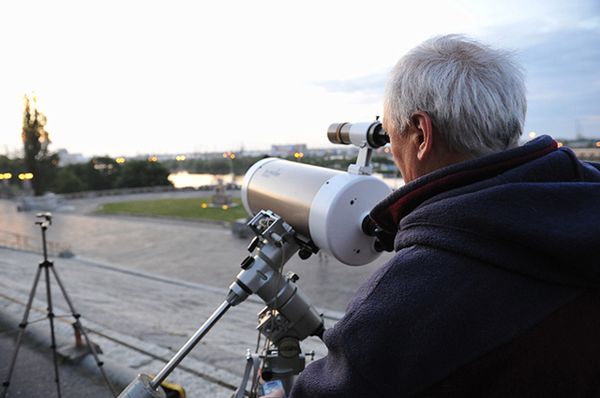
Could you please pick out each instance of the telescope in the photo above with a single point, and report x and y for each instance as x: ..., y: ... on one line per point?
x: 326, y: 206
x: 296, y: 208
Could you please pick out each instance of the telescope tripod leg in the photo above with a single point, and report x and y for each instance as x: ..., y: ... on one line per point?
x: 47, y: 264
x: 22, y: 326
x: 80, y: 327
x: 251, y: 364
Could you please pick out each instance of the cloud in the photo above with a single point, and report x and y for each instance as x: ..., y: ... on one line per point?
x: 563, y: 79
x: 372, y: 84
x: 562, y: 68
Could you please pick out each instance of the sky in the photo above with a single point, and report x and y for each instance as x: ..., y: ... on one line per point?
x: 147, y: 77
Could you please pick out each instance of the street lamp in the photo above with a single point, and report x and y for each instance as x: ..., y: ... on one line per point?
x: 25, y: 176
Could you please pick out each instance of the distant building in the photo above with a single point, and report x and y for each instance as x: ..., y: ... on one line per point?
x: 591, y: 154
x: 584, y: 148
x: 287, y: 150
x: 66, y: 158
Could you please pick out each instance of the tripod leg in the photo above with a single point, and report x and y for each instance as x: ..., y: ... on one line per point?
x: 251, y: 363
x: 22, y: 327
x: 80, y: 327
x: 51, y: 319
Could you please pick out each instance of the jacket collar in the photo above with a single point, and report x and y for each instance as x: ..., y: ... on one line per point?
x: 388, y: 213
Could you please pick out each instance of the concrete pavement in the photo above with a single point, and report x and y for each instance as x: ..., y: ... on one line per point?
x: 139, y: 320
x: 193, y: 251
x: 144, y: 285
x: 33, y: 375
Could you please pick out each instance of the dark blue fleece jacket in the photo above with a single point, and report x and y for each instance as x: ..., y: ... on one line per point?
x: 486, y: 250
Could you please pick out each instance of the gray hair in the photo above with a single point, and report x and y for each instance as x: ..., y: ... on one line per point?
x: 474, y: 95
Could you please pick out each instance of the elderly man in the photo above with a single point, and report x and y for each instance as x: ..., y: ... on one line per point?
x: 493, y: 288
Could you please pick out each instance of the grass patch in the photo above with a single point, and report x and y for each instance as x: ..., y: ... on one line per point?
x: 188, y: 208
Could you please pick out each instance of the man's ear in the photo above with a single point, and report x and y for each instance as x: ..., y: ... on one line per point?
x: 422, y: 122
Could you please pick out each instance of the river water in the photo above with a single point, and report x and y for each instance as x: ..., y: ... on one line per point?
x: 183, y: 179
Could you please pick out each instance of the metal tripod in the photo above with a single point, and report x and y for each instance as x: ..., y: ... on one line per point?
x: 45, y: 220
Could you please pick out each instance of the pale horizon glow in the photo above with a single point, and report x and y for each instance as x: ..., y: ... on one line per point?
x: 145, y: 77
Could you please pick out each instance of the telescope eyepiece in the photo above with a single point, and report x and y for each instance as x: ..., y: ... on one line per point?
x: 358, y: 134
x: 377, y: 136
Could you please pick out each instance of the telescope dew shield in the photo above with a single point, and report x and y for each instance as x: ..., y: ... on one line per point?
x: 286, y: 188
x: 325, y: 205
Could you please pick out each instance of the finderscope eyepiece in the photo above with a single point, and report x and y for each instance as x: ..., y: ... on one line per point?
x: 377, y: 136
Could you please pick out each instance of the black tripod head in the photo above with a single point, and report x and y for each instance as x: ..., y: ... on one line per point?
x: 44, y: 220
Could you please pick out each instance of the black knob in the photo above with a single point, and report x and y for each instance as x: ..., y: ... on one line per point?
x: 247, y: 262
x: 253, y: 244
x: 267, y: 374
x: 304, y: 254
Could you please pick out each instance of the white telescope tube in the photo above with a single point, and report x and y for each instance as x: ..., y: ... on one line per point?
x: 325, y: 205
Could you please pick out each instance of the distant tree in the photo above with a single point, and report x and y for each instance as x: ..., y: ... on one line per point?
x: 12, y: 166
x: 78, y: 170
x: 105, y: 173
x: 337, y: 164
x: 240, y: 165
x: 68, y: 181
x: 141, y: 173
x: 101, y: 173
x: 36, y: 140
x: 212, y: 166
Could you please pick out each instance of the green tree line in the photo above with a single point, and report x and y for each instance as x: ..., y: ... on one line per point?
x: 97, y: 174
x: 105, y: 173
x: 240, y: 165
x: 220, y: 165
